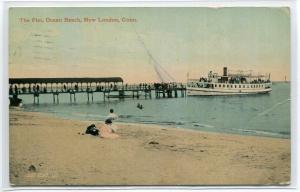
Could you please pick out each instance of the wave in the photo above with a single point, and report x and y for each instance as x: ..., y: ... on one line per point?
x: 164, y: 122
x: 202, y: 125
x: 89, y: 115
x: 273, y: 107
x: 176, y: 123
x: 133, y: 116
x: 263, y: 133
x: 125, y: 116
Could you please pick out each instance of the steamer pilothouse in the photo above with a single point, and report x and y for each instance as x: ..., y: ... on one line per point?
x: 239, y: 83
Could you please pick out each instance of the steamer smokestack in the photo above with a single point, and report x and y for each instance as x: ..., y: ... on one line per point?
x: 225, y: 71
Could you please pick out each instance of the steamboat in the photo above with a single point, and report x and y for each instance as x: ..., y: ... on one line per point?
x: 239, y: 83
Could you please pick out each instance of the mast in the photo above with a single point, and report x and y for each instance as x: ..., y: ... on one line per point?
x: 162, y: 74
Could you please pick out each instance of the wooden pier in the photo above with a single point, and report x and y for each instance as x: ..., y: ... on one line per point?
x: 112, y: 87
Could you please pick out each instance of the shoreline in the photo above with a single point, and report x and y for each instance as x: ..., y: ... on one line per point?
x: 142, y: 155
x: 158, y: 125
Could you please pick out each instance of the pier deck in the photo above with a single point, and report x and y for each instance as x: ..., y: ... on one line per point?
x: 112, y: 87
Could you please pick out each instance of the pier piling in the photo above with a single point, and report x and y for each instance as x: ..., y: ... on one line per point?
x: 72, y: 93
x: 36, y: 97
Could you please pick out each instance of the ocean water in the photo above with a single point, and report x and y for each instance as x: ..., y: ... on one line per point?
x: 260, y: 115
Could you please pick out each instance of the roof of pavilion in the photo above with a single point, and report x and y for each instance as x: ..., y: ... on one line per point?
x: 65, y: 80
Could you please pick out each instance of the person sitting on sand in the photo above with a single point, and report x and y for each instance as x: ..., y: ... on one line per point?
x: 112, y: 115
x: 107, y: 131
x: 109, y: 119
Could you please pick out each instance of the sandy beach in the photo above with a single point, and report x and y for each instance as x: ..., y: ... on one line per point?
x: 46, y: 150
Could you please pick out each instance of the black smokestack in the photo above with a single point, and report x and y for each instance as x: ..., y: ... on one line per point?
x: 225, y: 71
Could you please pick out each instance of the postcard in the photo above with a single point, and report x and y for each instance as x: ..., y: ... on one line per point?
x: 139, y: 96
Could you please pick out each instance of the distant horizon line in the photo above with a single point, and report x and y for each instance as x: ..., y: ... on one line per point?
x: 275, y: 81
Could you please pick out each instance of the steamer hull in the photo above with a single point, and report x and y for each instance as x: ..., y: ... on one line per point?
x: 214, y: 92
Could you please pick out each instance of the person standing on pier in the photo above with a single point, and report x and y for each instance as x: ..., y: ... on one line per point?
x: 11, y: 90
x: 16, y: 89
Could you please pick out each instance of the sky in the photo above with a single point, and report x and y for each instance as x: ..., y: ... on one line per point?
x: 150, y: 44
